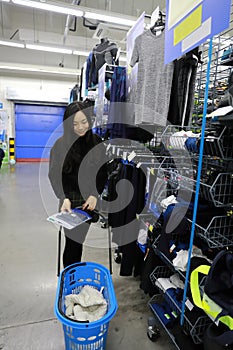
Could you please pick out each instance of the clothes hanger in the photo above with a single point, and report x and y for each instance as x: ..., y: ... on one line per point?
x: 159, y: 25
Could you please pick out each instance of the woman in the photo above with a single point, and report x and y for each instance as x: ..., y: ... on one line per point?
x: 66, y: 157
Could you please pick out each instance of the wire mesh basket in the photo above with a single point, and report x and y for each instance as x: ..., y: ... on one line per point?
x: 219, y: 232
x: 195, y: 330
x: 160, y: 271
x: 167, y: 261
x: 180, y: 139
x: 219, y: 192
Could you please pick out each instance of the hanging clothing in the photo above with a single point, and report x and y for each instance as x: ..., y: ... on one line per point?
x: 124, y: 224
x: 118, y: 85
x: 89, y: 76
x: 105, y: 52
x: 154, y: 79
x: 183, y: 88
x: 75, y: 93
x: 117, y: 116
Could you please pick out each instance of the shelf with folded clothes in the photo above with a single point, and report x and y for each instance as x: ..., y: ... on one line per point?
x: 227, y: 56
x: 192, y: 332
x: 218, y: 233
x: 227, y: 62
x: 168, y: 262
x: 155, y: 304
x: 214, y: 224
x: 171, y: 287
x: 226, y: 120
x: 217, y: 141
x: 215, y: 186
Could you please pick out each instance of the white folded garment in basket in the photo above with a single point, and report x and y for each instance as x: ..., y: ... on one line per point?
x: 88, y: 305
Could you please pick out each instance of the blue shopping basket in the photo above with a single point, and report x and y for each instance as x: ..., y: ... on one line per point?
x: 85, y: 335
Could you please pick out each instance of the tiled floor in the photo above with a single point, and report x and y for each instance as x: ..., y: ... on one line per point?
x: 28, y: 258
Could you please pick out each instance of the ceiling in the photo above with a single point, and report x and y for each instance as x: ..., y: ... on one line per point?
x: 27, y: 25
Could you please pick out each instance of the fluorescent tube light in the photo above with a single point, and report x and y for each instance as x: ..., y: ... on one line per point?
x: 70, y: 9
x: 81, y: 53
x: 5, y: 0
x: 39, y: 69
x: 48, y: 49
x: 52, y: 6
x: 109, y: 19
x: 11, y: 43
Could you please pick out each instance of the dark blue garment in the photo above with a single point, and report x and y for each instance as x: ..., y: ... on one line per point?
x: 176, y: 294
x: 89, y: 71
x: 117, y: 117
x: 191, y: 144
x: 118, y: 86
x: 74, y: 93
x: 164, y: 312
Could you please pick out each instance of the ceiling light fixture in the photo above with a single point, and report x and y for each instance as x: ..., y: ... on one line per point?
x: 56, y: 49
x: 39, y: 69
x: 70, y: 9
x: 51, y: 6
x: 49, y: 49
x: 110, y: 19
x: 11, y: 43
x: 81, y: 53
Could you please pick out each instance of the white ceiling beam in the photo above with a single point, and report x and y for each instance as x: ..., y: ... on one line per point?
x: 43, y: 37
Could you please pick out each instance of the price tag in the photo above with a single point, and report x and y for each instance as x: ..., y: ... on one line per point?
x: 189, y: 304
x: 172, y: 248
x: 131, y: 156
x: 124, y: 155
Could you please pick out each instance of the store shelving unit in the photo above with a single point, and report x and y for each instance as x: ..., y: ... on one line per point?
x: 216, y: 183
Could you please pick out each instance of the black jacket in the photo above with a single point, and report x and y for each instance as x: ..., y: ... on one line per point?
x: 73, y: 177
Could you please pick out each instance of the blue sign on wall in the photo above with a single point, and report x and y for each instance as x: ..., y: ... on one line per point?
x: 1, y: 105
x: 191, y: 22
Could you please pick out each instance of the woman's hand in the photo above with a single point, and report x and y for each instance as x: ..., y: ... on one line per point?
x: 66, y: 205
x: 90, y: 203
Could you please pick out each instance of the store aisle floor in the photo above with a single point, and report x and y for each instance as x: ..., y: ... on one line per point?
x: 28, y: 258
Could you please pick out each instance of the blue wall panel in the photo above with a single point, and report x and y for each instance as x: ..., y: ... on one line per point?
x: 36, y: 129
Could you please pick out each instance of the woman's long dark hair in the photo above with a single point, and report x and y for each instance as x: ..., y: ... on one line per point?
x: 76, y: 147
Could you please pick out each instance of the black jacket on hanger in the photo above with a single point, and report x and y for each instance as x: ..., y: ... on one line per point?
x: 105, y: 52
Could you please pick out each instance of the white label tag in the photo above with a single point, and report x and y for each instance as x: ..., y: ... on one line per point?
x: 131, y: 156
x: 138, y: 165
x: 189, y: 304
x: 172, y: 248
x: 124, y: 155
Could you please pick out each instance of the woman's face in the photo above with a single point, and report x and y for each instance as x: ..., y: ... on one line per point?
x: 81, y: 124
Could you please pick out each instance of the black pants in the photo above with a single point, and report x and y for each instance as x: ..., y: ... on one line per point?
x: 74, y: 238
x: 74, y: 244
